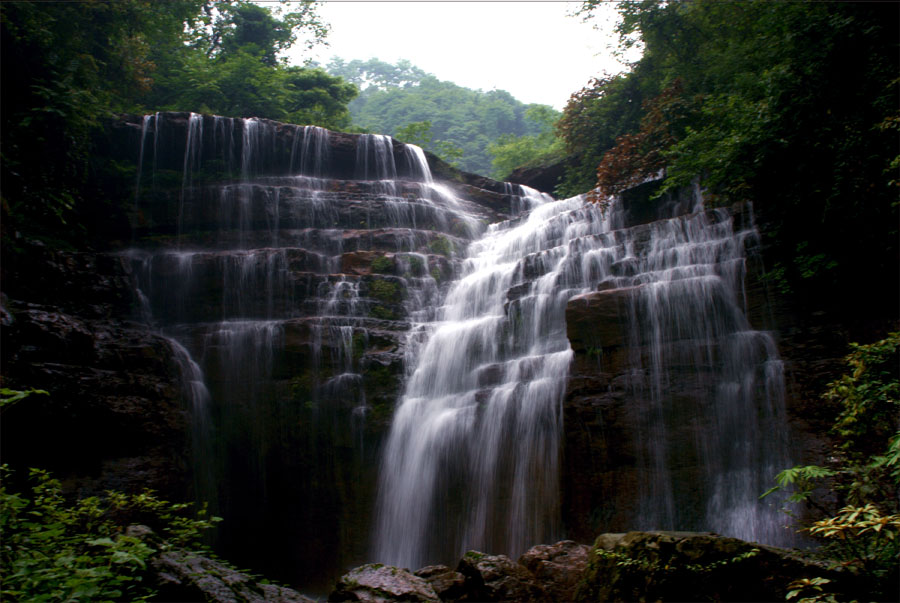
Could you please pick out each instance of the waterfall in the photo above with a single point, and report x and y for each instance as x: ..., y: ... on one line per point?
x: 261, y: 270
x: 375, y: 370
x: 472, y: 460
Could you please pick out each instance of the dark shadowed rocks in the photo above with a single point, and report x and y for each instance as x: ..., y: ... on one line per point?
x: 633, y: 566
x: 186, y: 576
x: 690, y: 566
x: 557, y: 567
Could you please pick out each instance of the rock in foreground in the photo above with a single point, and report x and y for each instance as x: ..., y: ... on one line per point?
x: 374, y: 583
x: 637, y: 566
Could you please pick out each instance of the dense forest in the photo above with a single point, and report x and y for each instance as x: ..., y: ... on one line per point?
x: 792, y: 105
x: 488, y: 133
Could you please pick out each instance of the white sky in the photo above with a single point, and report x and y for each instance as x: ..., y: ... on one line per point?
x: 533, y: 50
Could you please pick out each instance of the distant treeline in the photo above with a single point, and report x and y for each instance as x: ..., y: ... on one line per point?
x: 488, y: 133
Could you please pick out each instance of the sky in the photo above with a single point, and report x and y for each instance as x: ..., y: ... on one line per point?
x: 533, y: 50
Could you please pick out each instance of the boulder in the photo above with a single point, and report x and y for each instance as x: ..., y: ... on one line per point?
x: 374, y: 583
x: 498, y: 578
x: 448, y: 584
x: 690, y: 566
x: 557, y: 567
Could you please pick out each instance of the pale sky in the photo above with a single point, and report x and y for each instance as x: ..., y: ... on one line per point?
x: 533, y: 50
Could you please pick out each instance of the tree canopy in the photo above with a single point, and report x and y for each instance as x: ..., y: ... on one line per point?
x: 792, y: 105
x: 68, y: 65
x: 393, y: 96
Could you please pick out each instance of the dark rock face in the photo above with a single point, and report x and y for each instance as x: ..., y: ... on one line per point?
x: 543, y: 178
x: 689, y: 566
x: 114, y: 417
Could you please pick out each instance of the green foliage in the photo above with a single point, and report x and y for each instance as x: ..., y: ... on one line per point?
x: 864, y: 535
x: 441, y: 245
x: 383, y: 264
x: 789, y: 104
x: 419, y: 134
x: 53, y: 550
x: 869, y: 396
x: 510, y: 152
x: 8, y: 397
x: 386, y: 291
x: 448, y: 120
x: 810, y: 590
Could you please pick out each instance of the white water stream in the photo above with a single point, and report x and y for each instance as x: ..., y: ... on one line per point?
x: 473, y: 457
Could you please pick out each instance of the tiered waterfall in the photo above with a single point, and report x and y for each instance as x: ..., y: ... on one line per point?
x: 376, y: 359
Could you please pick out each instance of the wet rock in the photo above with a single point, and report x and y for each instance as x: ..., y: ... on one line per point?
x: 115, y: 402
x: 497, y: 578
x: 186, y: 576
x: 448, y: 584
x: 598, y: 320
x: 374, y: 583
x: 557, y: 567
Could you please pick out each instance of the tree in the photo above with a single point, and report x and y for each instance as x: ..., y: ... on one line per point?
x: 789, y: 105
x: 65, y: 66
x: 68, y: 66
x: 230, y: 25
x: 510, y: 152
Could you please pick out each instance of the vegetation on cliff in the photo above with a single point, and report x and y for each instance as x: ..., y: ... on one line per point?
x: 791, y: 105
x: 851, y: 504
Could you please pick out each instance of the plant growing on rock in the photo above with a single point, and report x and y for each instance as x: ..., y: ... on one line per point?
x: 383, y: 265
x: 442, y: 246
x: 385, y: 291
x: 864, y: 473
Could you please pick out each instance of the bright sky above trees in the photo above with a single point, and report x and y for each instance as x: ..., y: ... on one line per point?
x: 533, y: 50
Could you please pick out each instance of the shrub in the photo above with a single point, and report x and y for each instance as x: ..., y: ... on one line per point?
x: 53, y: 550
x: 863, y: 535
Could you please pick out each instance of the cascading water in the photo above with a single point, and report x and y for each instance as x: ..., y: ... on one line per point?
x: 299, y: 286
x: 261, y: 269
x: 472, y: 460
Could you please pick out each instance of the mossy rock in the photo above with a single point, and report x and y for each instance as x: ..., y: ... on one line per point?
x: 385, y: 291
x: 442, y: 246
x: 689, y: 566
x: 383, y: 265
